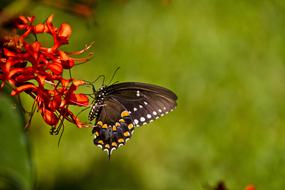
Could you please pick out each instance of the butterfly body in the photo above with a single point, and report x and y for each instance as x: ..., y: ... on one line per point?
x: 98, y: 103
x: 118, y: 108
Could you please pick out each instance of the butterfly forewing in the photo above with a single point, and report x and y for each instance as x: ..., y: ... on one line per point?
x: 125, y: 105
x: 145, y: 106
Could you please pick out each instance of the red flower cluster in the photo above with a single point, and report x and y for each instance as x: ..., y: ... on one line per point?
x: 38, y: 71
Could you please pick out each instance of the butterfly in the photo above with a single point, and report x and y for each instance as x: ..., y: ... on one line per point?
x: 119, y: 108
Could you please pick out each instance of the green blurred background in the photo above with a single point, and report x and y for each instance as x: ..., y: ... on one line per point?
x: 225, y: 61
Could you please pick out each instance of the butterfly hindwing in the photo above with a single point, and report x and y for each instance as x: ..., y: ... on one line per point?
x: 113, y: 126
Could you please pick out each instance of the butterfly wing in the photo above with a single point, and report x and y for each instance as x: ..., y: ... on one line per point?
x: 125, y: 105
x: 145, y: 102
x: 113, y: 126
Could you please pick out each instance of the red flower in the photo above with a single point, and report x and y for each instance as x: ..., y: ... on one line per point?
x: 38, y: 70
x: 250, y: 187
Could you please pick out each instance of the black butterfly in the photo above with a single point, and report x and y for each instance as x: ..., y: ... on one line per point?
x: 120, y: 107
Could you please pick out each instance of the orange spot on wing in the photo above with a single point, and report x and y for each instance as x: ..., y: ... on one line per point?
x: 127, y: 134
x: 130, y: 126
x: 125, y: 114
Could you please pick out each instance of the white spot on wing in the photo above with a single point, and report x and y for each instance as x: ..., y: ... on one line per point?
x: 136, y: 121
x: 154, y: 113
x: 112, y: 150
x: 148, y: 116
x: 145, y: 103
x: 164, y: 108
x: 135, y: 109
x: 159, y: 110
x: 138, y: 93
x: 140, y: 106
x: 106, y: 150
x: 142, y: 119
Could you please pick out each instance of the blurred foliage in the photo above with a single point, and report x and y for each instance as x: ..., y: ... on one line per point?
x: 15, y: 166
x: 225, y: 60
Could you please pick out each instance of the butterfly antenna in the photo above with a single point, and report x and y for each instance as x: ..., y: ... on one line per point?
x: 89, y: 84
x: 92, y: 83
x: 93, y: 92
x: 100, y: 76
x: 93, y: 89
x: 115, y: 82
x: 113, y: 75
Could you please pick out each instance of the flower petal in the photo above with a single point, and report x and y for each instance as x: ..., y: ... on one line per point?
x: 78, y: 82
x: 49, y: 117
x: 22, y: 88
x: 56, y: 68
x: 79, y: 99
x: 64, y: 33
x: 9, y: 53
x: 66, y: 61
x: 54, y: 103
x: 39, y: 28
